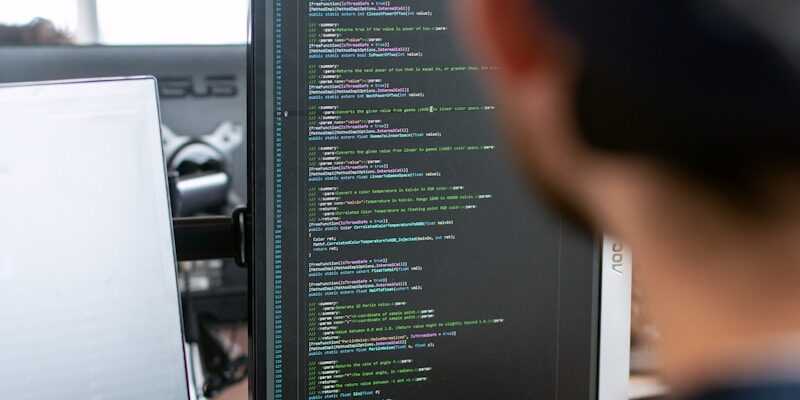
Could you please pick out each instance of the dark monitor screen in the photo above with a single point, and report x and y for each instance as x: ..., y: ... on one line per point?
x: 398, y: 254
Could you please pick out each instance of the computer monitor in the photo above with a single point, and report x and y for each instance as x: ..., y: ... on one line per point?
x: 201, y: 87
x: 396, y: 253
x: 202, y: 95
x: 89, y: 298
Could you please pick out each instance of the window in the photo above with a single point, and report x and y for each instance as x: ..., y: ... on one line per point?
x: 172, y: 21
x: 141, y: 22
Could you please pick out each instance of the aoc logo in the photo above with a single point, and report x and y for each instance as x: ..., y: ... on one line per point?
x: 618, y: 258
x: 209, y: 86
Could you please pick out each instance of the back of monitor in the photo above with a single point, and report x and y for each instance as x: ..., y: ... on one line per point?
x: 203, y: 104
x: 89, y: 306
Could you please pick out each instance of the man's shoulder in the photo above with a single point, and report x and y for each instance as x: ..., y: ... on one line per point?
x: 761, y: 391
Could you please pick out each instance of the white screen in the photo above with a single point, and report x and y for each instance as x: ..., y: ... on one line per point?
x: 89, y: 307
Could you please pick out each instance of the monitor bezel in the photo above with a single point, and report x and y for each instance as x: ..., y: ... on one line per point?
x: 259, y: 147
x: 613, y: 349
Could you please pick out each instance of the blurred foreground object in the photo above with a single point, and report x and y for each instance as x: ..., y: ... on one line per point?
x: 709, y: 87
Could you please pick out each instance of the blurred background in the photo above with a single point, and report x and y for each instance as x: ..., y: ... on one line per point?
x: 197, y: 50
x: 115, y: 23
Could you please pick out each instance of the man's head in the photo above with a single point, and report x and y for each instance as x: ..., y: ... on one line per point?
x: 670, y: 125
x: 38, y: 32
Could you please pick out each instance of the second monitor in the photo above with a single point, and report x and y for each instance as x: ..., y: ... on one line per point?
x: 397, y: 254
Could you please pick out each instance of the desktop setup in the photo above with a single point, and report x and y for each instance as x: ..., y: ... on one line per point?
x: 390, y: 248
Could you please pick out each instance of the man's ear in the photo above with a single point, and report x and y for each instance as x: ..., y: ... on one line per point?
x: 511, y: 33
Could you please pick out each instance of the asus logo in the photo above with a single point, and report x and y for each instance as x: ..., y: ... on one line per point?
x: 208, y: 86
x: 618, y: 258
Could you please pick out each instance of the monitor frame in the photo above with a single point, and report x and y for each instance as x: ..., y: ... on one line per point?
x: 610, y: 356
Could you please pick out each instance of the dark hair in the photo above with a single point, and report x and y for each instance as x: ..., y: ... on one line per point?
x: 692, y: 83
x: 39, y: 31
